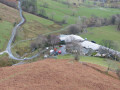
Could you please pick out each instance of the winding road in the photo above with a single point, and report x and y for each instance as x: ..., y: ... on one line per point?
x: 8, y: 49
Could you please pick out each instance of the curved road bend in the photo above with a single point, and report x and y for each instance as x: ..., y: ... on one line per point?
x: 8, y: 49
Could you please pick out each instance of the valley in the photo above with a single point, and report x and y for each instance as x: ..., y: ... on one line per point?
x: 40, y: 33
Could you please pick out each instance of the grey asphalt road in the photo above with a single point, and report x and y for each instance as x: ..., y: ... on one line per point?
x: 8, y: 49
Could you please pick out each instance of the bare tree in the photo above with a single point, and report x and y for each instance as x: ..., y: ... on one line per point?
x: 68, y: 3
x: 65, y: 19
x: 39, y: 42
x: 98, y: 23
x: 73, y: 12
x: 118, y: 72
x: 42, y: 12
x: 53, y: 40
x: 113, y: 66
x: 29, y: 6
x: 118, y: 26
x: 75, y: 48
x: 45, y: 5
x: 52, y: 15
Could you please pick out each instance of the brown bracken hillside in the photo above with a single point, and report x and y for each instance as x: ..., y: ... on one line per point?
x: 56, y: 75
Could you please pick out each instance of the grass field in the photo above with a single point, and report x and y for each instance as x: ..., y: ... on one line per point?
x: 32, y: 28
x: 94, y: 60
x: 35, y: 25
x: 30, y: 18
x: 103, y: 33
x: 5, y: 32
x: 61, y: 11
x: 8, y: 17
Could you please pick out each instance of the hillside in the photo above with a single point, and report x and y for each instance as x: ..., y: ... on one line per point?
x: 56, y: 75
x: 33, y: 26
x: 47, y: 19
x: 60, y: 10
x: 104, y: 33
x: 8, y: 17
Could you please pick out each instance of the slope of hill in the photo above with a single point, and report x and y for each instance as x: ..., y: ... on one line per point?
x: 8, y: 17
x: 58, y: 10
x: 56, y: 75
x: 33, y: 27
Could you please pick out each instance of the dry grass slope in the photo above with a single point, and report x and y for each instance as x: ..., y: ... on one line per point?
x: 55, y: 75
x: 9, y: 14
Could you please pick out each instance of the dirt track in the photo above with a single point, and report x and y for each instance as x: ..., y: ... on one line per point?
x: 55, y: 75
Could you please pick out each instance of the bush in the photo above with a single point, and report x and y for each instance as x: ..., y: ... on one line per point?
x: 118, y: 27
x: 94, y: 53
x: 38, y: 43
x: 5, y: 61
x: 74, y: 29
x: 109, y: 43
x: 118, y: 72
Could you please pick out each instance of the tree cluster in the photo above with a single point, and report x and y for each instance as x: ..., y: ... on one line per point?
x: 76, y: 28
x: 0, y: 18
x: 38, y: 43
x: 108, y: 44
x: 109, y: 53
x: 30, y: 6
x: 118, y: 26
x: 45, y: 41
x: 95, y: 21
x: 114, y: 4
x: 74, y: 48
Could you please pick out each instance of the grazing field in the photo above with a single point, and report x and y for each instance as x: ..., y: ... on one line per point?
x: 35, y: 26
x: 103, y: 33
x: 94, y: 60
x: 8, y: 17
x: 59, y: 11
x: 5, y: 32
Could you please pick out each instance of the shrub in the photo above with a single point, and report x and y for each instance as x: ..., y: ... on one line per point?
x: 109, y: 43
x: 118, y: 72
x: 118, y: 27
x: 74, y: 48
x: 94, y: 53
x: 5, y: 61
x: 74, y: 29
x: 38, y: 43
